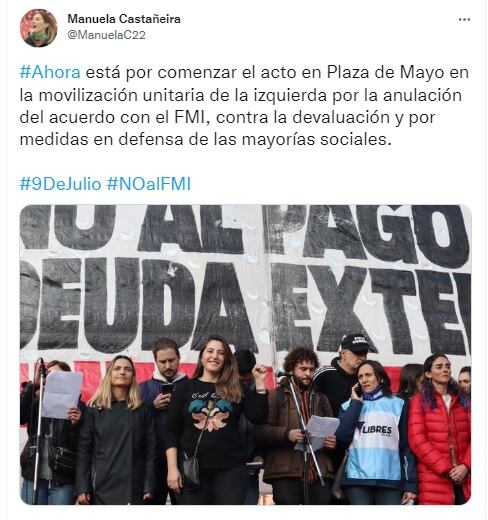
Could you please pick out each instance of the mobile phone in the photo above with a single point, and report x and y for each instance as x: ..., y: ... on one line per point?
x: 358, y: 390
x: 166, y: 388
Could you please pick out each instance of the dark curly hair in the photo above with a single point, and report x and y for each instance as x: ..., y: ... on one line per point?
x: 428, y: 391
x: 298, y: 355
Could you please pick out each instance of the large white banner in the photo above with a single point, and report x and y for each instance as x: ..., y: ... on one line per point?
x: 98, y: 280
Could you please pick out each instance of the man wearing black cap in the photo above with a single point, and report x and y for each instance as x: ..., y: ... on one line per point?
x: 337, y: 380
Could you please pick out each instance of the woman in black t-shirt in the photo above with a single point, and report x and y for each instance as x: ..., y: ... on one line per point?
x: 212, y: 401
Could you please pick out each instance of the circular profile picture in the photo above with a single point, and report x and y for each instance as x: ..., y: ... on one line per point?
x: 38, y: 28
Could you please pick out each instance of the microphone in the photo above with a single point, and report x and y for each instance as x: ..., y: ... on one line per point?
x: 280, y: 373
x: 42, y: 367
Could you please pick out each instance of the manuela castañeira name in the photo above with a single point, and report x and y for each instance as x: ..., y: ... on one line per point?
x: 123, y: 18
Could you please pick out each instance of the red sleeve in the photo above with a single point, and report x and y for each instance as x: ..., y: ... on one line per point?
x: 466, y: 458
x: 425, y: 451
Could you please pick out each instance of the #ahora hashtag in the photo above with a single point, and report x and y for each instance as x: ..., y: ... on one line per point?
x: 25, y: 183
x: 112, y: 183
x: 25, y: 71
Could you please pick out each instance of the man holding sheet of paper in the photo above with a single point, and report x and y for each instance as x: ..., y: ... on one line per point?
x: 284, y: 464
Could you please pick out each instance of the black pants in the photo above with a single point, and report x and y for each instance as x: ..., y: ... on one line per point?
x: 459, y: 498
x: 218, y: 487
x: 161, y: 489
x: 289, y: 492
x: 373, y: 495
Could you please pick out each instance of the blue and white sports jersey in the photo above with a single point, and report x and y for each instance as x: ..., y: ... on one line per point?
x: 374, y: 450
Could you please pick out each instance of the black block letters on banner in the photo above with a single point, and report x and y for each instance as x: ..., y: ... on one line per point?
x: 222, y: 310
x: 439, y: 312
x: 140, y: 290
x: 339, y: 298
x: 394, y: 285
x: 277, y: 222
x: 58, y: 302
x: 115, y: 334
x: 174, y: 315
x: 456, y: 254
x: 400, y: 246
x: 30, y: 288
x: 342, y: 235
x: 70, y: 235
x: 34, y: 226
x: 290, y: 305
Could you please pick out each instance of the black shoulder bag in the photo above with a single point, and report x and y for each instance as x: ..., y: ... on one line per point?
x: 189, y: 469
x: 61, y: 459
x: 336, y: 490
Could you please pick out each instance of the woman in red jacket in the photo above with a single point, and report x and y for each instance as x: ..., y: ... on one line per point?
x: 439, y: 433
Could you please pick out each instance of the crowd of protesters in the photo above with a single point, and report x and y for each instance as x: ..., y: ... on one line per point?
x: 134, y: 444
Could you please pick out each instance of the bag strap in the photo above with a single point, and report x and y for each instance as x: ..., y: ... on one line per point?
x: 200, y: 436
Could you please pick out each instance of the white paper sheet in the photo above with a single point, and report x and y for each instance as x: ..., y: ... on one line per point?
x: 318, y: 429
x: 61, y: 392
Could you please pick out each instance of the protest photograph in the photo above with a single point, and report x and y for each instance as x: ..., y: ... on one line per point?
x: 245, y: 354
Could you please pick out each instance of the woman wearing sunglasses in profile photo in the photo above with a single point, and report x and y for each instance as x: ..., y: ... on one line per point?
x: 117, y: 448
x: 42, y: 28
x: 439, y: 433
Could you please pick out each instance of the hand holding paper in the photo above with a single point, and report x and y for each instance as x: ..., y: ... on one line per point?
x: 61, y: 395
x: 321, y: 431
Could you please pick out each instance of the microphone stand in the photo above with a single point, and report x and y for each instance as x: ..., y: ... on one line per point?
x: 306, y: 445
x: 42, y: 373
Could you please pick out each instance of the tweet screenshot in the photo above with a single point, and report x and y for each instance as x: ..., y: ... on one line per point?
x: 245, y: 258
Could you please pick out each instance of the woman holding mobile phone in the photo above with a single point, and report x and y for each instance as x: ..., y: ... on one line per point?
x: 205, y: 411
x: 380, y: 468
x: 439, y: 433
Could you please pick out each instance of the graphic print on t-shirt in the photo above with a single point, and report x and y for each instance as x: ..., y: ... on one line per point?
x: 213, y: 406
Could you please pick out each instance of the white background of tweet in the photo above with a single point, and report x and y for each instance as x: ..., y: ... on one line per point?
x: 442, y: 164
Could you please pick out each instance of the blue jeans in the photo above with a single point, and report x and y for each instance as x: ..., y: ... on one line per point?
x: 48, y: 495
x: 373, y: 495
